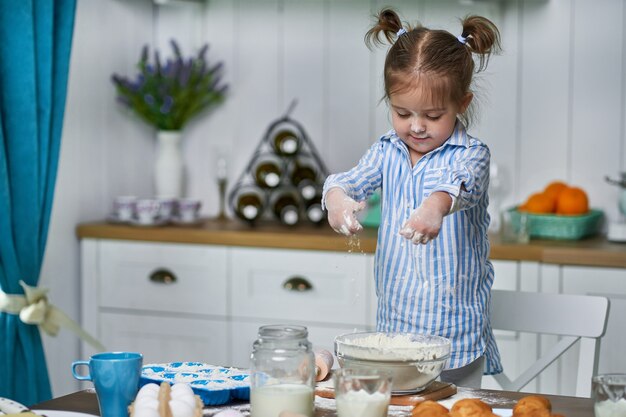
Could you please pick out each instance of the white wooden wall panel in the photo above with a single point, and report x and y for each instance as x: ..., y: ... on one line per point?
x: 304, y: 73
x: 128, y: 150
x: 544, y: 114
x: 184, y: 23
x: 181, y: 22
x: 348, y: 69
x: 497, y: 107
x: 597, y: 98
x: 257, y: 73
x: 216, y: 136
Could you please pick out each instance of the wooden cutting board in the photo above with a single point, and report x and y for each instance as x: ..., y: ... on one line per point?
x: 435, y: 391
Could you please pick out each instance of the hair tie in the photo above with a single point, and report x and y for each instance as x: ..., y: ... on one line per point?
x: 462, y: 39
x: 400, y: 32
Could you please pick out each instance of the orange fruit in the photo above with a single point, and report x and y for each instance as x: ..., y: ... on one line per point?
x: 554, y: 189
x: 538, y: 203
x: 572, y: 201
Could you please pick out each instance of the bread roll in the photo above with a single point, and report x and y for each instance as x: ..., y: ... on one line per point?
x: 470, y: 407
x: 532, y: 403
x: 429, y: 408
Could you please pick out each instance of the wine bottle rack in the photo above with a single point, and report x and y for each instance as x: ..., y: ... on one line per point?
x: 304, y: 155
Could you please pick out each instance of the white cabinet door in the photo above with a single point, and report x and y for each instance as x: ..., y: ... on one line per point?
x: 164, y: 339
x: 334, y: 286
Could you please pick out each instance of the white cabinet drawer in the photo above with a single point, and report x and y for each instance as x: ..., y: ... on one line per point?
x: 339, y: 292
x: 126, y: 269
x: 166, y: 339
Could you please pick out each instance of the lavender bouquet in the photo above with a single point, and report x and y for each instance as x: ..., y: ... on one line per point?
x: 168, y: 96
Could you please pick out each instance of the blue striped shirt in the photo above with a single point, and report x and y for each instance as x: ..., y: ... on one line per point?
x: 442, y: 287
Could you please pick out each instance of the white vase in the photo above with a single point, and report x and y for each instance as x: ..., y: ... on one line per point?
x: 169, y: 166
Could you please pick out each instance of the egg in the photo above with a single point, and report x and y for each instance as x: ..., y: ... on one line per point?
x: 151, y: 390
x: 180, y: 389
x: 188, y: 399
x: 146, y: 402
x: 146, y: 412
x: 229, y: 413
x: 181, y: 409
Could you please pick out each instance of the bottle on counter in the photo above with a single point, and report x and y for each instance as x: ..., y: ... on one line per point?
x: 313, y: 209
x: 282, y: 374
x: 249, y: 203
x: 304, y: 176
x: 286, y: 142
x: 286, y: 207
x: 268, y: 171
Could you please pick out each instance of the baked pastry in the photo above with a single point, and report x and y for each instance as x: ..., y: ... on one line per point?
x: 429, y: 408
x: 535, y: 404
x: 177, y: 400
x: 537, y: 412
x: 470, y: 407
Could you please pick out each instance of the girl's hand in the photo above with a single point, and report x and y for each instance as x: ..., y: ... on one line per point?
x: 425, y: 222
x: 342, y: 212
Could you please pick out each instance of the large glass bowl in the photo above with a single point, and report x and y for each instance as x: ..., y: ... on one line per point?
x: 414, y: 360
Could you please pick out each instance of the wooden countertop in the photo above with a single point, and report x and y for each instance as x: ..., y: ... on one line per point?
x: 595, y: 251
x: 87, y: 402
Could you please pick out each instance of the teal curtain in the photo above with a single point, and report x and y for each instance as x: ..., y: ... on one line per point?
x: 35, y: 44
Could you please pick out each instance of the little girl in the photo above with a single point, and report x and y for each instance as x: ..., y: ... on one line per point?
x: 432, y: 271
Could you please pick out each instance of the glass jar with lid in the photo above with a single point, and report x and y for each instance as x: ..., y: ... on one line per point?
x: 282, y: 372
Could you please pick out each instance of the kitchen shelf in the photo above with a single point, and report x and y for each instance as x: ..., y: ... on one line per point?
x: 595, y: 251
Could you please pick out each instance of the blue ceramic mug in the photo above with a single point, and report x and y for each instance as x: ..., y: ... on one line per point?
x: 115, y: 376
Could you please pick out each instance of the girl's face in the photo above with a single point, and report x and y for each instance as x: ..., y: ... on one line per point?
x: 421, y: 124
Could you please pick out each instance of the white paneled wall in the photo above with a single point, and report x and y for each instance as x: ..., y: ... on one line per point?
x: 552, y: 105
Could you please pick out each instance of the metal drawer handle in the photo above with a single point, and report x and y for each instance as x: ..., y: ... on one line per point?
x: 163, y: 276
x: 298, y: 284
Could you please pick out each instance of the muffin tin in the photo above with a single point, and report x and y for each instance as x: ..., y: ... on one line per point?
x: 214, y: 385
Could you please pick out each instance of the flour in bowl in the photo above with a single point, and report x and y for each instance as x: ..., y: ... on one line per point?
x: 401, y: 347
x: 414, y: 360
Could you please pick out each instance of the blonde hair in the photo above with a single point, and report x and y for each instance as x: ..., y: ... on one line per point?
x: 443, y: 60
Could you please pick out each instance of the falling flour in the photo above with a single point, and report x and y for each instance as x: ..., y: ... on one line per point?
x: 354, y: 244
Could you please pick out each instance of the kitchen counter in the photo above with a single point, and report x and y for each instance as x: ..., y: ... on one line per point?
x: 86, y: 402
x: 595, y: 251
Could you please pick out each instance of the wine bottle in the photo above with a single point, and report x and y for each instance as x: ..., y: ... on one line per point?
x: 314, y: 212
x: 304, y: 176
x: 286, y: 208
x: 249, y: 204
x: 267, y: 172
x: 286, y: 142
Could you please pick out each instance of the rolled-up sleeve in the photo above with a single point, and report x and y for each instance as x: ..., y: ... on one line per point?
x: 362, y: 180
x: 467, y: 179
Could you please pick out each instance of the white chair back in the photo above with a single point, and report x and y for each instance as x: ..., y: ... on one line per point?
x: 573, y: 317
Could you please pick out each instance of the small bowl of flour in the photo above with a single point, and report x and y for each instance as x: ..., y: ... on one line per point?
x: 414, y: 360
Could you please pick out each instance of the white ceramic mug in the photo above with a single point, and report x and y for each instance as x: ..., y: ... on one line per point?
x: 189, y: 210
x: 124, y: 207
x: 166, y: 208
x: 147, y: 211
